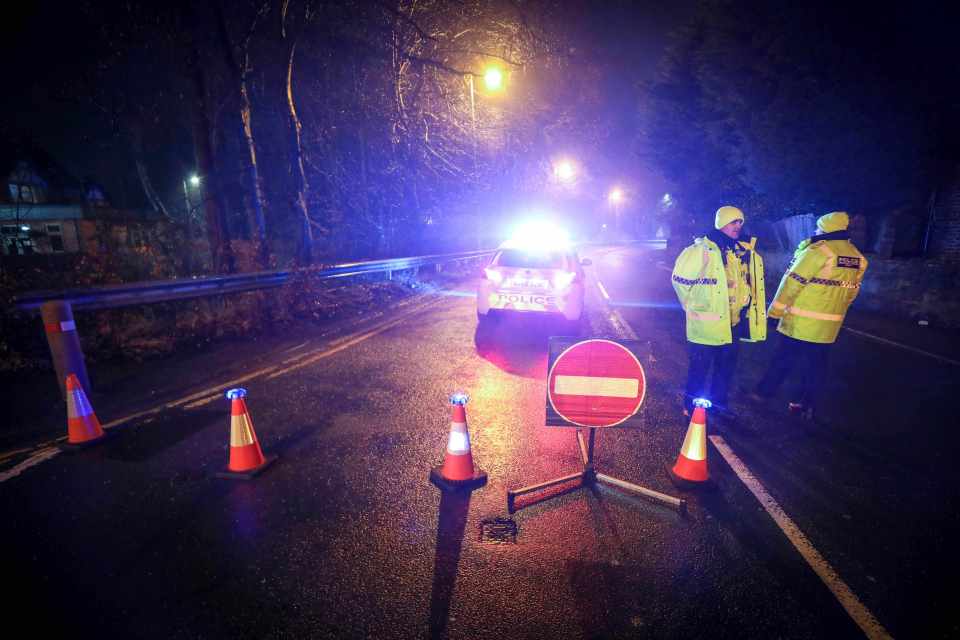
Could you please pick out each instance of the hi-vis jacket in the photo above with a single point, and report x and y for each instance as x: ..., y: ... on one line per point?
x: 820, y: 284
x: 713, y: 296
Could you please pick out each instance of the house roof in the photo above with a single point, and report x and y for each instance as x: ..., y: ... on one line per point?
x: 37, y: 212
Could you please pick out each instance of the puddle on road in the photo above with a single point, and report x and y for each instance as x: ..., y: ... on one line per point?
x: 498, y: 531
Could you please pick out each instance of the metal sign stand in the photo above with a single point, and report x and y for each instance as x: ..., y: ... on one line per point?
x: 588, y: 476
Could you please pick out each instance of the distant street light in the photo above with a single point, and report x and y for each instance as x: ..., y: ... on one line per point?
x: 564, y: 171
x: 616, y: 198
x: 195, y: 180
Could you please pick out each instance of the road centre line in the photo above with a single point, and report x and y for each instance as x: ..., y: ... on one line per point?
x: 903, y: 346
x: 35, y: 459
x: 348, y: 343
x: 49, y: 450
x: 603, y: 290
x: 870, y: 626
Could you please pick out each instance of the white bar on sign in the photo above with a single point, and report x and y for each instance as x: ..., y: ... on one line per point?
x: 594, y: 386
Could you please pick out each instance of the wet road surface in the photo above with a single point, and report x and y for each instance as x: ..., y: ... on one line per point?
x: 345, y: 537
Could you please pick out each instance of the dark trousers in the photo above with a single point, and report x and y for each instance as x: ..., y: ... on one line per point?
x: 808, y: 358
x: 721, y: 361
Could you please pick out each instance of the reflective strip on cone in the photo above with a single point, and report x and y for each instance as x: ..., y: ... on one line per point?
x: 82, y: 423
x: 692, y: 462
x: 458, y: 462
x: 245, y: 453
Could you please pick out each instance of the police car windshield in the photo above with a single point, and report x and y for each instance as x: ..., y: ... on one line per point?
x: 531, y: 259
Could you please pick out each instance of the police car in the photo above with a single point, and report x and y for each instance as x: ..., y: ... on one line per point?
x: 536, y: 272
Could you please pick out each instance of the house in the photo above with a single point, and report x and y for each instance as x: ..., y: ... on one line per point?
x: 44, y: 210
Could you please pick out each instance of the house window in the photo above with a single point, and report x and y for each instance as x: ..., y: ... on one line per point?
x: 24, y: 193
x: 55, y: 233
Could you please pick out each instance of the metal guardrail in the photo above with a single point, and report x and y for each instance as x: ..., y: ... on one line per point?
x: 120, y: 295
x: 56, y: 307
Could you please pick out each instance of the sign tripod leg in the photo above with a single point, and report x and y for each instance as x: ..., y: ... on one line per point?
x: 588, y: 476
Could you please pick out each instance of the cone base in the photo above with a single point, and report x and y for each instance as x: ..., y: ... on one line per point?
x: 246, y: 475
x: 683, y: 483
x: 73, y: 447
x: 469, y: 484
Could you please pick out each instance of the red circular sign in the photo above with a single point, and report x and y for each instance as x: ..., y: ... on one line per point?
x: 596, y: 383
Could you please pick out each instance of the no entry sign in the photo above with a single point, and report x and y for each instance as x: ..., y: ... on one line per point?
x: 593, y: 383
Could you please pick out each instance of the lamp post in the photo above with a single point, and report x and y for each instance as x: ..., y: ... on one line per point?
x: 493, y: 81
x: 194, y: 180
x: 615, y: 198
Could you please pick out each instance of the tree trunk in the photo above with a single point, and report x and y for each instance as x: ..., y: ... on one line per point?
x: 253, y: 198
x: 301, y: 186
x: 221, y: 252
x: 135, y: 130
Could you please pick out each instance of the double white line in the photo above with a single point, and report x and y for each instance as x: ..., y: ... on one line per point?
x: 49, y: 450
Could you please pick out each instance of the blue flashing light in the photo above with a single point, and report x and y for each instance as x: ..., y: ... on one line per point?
x: 702, y: 402
x: 539, y: 236
x: 459, y: 398
x: 233, y: 394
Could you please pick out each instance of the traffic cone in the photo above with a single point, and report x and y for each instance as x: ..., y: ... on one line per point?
x: 457, y: 471
x: 83, y: 427
x: 690, y: 471
x: 246, y: 458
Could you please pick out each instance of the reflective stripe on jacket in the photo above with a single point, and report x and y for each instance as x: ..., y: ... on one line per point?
x: 700, y: 281
x: 820, y: 284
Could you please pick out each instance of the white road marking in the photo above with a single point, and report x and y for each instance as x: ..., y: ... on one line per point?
x: 902, y: 346
x: 862, y: 616
x: 620, y: 325
x: 603, y: 290
x: 33, y: 460
x: 870, y: 626
x: 45, y: 452
x: 299, y: 346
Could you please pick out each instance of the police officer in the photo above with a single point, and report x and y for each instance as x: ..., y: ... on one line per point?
x: 820, y: 284
x: 719, y: 282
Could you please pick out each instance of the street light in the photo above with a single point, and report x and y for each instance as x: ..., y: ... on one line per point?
x: 616, y: 198
x: 493, y: 78
x: 493, y: 81
x: 564, y: 171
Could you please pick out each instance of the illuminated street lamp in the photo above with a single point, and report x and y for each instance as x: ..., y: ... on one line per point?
x: 493, y: 79
x: 564, y: 171
x: 195, y: 180
x: 616, y: 198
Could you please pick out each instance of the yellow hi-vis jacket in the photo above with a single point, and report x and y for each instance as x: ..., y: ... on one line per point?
x: 713, y: 296
x: 820, y: 284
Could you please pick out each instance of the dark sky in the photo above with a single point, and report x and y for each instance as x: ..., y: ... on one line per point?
x: 52, y: 44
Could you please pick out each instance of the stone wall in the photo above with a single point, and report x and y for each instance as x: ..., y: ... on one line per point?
x: 908, y: 288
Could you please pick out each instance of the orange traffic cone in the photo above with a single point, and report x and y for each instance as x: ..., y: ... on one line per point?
x: 83, y: 427
x: 457, y: 471
x: 690, y: 471
x: 246, y: 458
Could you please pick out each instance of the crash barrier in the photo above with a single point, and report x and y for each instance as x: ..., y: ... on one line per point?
x: 56, y: 307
